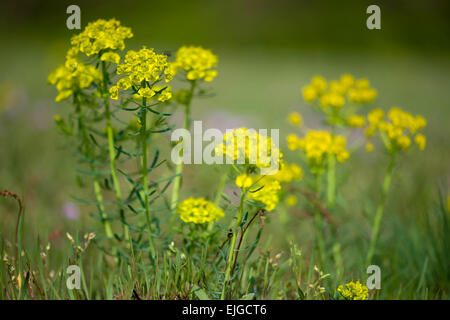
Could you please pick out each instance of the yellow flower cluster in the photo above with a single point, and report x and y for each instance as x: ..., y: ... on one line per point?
x: 144, y: 65
x: 101, y: 35
x: 72, y: 76
x: 317, y: 145
x: 397, y: 129
x: 354, y: 291
x: 266, y: 191
x: 335, y: 92
x: 288, y: 173
x: 197, y: 62
x: 248, y: 146
x: 199, y: 210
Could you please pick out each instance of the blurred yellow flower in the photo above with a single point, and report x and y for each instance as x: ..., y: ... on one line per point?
x: 244, y: 181
x: 199, y: 63
x: 267, y: 192
x: 295, y: 118
x: 198, y: 210
x: 291, y: 200
x: 318, y: 144
x: 356, y: 121
x: 397, y: 129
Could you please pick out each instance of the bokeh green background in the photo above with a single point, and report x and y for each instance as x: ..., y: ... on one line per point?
x: 268, y: 50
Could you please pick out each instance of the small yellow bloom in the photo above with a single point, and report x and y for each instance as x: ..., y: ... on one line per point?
x: 199, y: 63
x: 420, y: 140
x: 244, y: 181
x: 295, y: 118
x: 319, y: 83
x: 309, y: 93
x: 291, y: 201
x: 369, y: 147
x: 354, y: 291
x: 114, y: 92
x: 110, y: 57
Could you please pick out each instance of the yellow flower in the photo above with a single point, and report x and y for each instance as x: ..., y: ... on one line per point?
x: 114, y: 92
x: 199, y: 210
x: 288, y: 173
x: 244, y: 181
x: 291, y: 201
x: 420, y: 140
x: 266, y: 191
x: 101, y: 35
x: 397, y: 129
x: 332, y: 99
x: 146, y: 66
x: 362, y: 83
x: 347, y: 80
x: 369, y: 147
x: 295, y: 118
x: 72, y: 76
x: 250, y: 148
x: 319, y: 144
x: 293, y: 141
x: 199, y: 63
x: 356, y: 121
x: 319, y: 83
x: 354, y: 291
x: 146, y: 92
x: 110, y: 57
x: 309, y: 93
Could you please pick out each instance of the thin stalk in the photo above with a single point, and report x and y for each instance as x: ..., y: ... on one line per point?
x: 380, y: 210
x: 233, y: 245
x: 222, y: 183
x: 144, y: 174
x: 318, y: 224
x: 112, y: 153
x: 96, y: 183
x: 331, y: 174
x: 179, y: 167
x: 331, y: 181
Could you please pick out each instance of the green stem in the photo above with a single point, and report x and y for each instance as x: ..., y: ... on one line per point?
x: 233, y: 245
x: 96, y: 183
x: 112, y: 153
x: 318, y: 224
x: 380, y: 210
x: 222, y: 183
x: 144, y: 174
x: 179, y: 167
x: 331, y: 180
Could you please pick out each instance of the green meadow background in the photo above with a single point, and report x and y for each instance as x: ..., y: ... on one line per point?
x: 267, y: 51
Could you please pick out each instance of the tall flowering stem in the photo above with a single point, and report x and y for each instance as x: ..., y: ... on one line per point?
x: 179, y: 167
x: 112, y: 153
x: 331, y: 181
x: 89, y: 154
x: 318, y: 222
x: 380, y: 210
x: 231, y: 254
x: 145, y: 173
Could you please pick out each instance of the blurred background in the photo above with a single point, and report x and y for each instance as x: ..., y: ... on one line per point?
x: 267, y: 51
